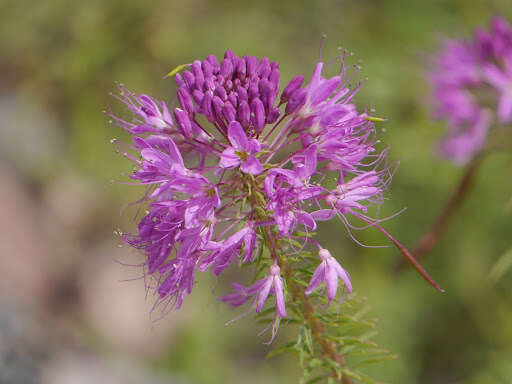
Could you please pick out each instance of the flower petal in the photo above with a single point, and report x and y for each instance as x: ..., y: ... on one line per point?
x: 495, y: 76
x: 310, y: 160
x: 175, y: 153
x: 252, y: 165
x: 254, y: 146
x: 331, y: 280
x: 229, y: 159
x: 265, y: 290
x: 324, y: 90
x: 505, y: 107
x: 306, y: 219
x: 343, y: 275
x: 237, y: 136
x: 323, y: 214
x: 317, y: 279
x: 278, y: 290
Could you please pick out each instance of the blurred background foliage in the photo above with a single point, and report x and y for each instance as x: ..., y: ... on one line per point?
x: 64, y: 315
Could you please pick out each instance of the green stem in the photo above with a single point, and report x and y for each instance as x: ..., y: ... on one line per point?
x: 318, y: 332
x: 297, y: 292
x: 304, y: 305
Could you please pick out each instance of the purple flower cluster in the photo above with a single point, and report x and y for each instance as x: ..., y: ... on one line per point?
x: 233, y: 167
x: 473, y: 88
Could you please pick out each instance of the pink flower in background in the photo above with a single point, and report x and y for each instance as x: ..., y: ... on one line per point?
x: 472, y: 83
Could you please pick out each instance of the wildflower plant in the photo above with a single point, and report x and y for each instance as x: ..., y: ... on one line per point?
x: 472, y: 92
x: 240, y: 172
x: 472, y: 83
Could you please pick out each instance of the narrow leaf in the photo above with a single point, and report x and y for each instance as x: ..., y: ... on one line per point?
x: 177, y: 70
x: 501, y: 267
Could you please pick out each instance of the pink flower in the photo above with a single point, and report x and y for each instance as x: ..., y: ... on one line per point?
x: 501, y: 79
x: 472, y: 83
x: 261, y: 289
x: 242, y: 150
x: 329, y: 271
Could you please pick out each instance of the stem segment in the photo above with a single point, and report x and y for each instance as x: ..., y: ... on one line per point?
x: 431, y: 238
x: 299, y: 297
x: 308, y: 310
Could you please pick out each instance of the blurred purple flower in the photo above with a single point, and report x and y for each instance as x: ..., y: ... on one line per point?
x: 465, y: 140
x: 472, y: 83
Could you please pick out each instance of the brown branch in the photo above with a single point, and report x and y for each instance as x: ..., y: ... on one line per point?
x: 431, y: 238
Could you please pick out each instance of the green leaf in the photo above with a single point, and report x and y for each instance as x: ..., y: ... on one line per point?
x: 300, y: 282
x: 367, y: 379
x: 302, y: 357
x: 284, y: 348
x: 315, y: 363
x: 347, y: 325
x: 351, y: 326
x: 359, y: 314
x: 377, y: 360
x: 177, y: 70
x: 374, y: 119
x: 501, y: 267
x: 304, y: 234
x: 350, y: 373
x: 315, y: 379
x: 334, y: 365
x: 368, y: 335
x: 267, y: 311
x: 308, y: 339
x: 371, y: 351
x: 298, y: 313
x: 259, y: 198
